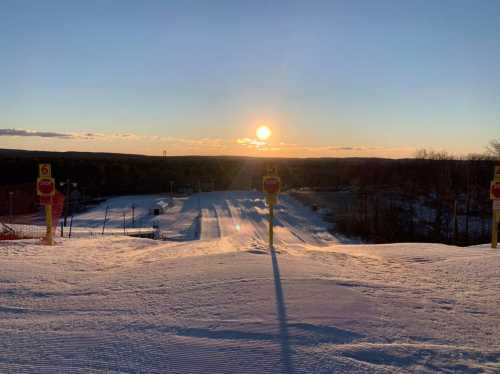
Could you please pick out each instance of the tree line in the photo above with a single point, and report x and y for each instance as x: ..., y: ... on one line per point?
x: 450, y: 186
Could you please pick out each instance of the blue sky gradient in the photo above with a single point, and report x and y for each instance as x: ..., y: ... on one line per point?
x: 371, y: 75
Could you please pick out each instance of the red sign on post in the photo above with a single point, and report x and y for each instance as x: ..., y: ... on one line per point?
x: 495, y: 190
x: 45, y: 187
x: 271, y: 185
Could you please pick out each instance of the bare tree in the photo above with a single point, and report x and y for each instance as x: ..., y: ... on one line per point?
x: 494, y: 149
x: 421, y: 154
x: 430, y: 154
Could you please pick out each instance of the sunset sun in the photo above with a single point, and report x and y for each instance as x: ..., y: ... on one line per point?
x: 263, y: 133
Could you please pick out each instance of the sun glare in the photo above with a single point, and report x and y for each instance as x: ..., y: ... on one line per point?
x: 263, y: 133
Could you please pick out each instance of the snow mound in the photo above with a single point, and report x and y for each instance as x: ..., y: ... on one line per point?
x: 121, y: 304
x: 214, y: 298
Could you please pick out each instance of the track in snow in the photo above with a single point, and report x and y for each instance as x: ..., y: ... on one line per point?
x: 209, y: 222
x: 243, y: 216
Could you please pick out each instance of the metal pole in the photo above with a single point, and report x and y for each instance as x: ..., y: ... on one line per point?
x: 494, y: 230
x: 271, y: 231
x: 66, y: 205
x: 105, y: 219
x: 455, y: 222
x: 70, y: 226
x: 11, y: 206
x: 124, y: 223
x: 48, y: 219
x: 133, y: 215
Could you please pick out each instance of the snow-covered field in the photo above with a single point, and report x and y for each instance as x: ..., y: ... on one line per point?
x: 215, y: 300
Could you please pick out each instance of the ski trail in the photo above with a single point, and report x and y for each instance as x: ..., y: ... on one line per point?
x: 210, y: 228
x: 243, y: 217
x: 239, y: 216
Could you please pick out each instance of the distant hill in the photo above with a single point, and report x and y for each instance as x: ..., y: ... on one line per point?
x: 115, y: 173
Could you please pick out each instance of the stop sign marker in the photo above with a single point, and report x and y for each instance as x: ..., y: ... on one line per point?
x: 495, y: 190
x: 271, y: 185
x: 45, y: 186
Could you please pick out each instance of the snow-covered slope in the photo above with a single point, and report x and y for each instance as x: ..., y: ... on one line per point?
x: 210, y: 215
x: 136, y: 206
x: 222, y: 303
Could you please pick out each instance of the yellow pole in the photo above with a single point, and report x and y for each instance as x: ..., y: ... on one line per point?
x: 271, y: 217
x: 494, y: 230
x: 48, y: 220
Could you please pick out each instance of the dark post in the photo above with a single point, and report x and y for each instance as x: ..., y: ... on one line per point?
x: 467, y: 212
x: 271, y: 223
x: 105, y: 219
x: 455, y: 222
x: 67, y: 200
x: 66, y: 205
x: 11, y: 206
x: 70, y: 226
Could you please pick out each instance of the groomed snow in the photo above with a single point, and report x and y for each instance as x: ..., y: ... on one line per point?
x: 217, y: 301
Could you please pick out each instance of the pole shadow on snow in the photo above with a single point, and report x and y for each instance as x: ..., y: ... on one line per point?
x: 286, y: 352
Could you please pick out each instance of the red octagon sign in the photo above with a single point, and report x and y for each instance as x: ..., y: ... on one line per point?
x: 495, y: 190
x: 45, y: 186
x: 271, y: 185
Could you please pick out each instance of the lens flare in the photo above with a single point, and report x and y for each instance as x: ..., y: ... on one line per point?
x: 263, y: 133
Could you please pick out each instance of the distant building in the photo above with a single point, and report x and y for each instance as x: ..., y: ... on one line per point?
x: 159, y: 207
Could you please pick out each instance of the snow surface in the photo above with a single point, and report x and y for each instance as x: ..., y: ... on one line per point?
x: 216, y: 300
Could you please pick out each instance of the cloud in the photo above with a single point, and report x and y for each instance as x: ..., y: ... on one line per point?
x: 48, y: 134
x: 247, y: 142
x: 256, y: 147
x: 114, y: 137
x: 352, y: 148
x: 156, y: 144
x: 41, y: 134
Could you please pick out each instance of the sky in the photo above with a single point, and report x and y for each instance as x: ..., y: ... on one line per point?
x: 329, y: 78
